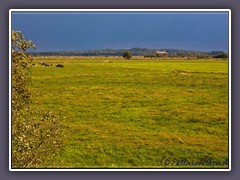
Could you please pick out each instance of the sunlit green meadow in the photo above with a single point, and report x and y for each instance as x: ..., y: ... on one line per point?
x: 136, y: 113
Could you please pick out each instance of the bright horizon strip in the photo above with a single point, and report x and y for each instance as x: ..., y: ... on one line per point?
x: 133, y: 10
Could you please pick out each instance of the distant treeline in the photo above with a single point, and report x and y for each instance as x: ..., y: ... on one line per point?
x: 134, y: 51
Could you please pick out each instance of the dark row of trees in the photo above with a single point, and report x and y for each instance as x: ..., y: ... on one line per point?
x: 133, y: 52
x: 128, y: 55
x: 222, y: 55
x: 199, y: 56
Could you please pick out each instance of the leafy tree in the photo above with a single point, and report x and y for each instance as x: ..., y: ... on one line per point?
x: 127, y: 55
x: 35, y: 132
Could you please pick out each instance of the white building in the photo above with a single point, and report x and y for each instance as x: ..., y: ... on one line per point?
x: 162, y: 52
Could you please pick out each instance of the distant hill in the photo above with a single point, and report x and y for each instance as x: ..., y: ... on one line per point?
x: 119, y: 52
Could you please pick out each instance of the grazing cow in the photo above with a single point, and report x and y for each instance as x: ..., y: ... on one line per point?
x: 46, y: 64
x: 42, y: 63
x: 59, y: 66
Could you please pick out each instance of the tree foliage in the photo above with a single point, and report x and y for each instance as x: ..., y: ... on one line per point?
x: 35, y: 132
x: 127, y: 55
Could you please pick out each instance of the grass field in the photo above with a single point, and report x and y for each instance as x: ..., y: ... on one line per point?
x: 134, y: 113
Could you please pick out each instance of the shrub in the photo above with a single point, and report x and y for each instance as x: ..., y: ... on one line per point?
x: 127, y: 55
x: 35, y: 132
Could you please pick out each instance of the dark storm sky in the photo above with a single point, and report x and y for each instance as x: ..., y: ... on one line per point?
x: 81, y: 31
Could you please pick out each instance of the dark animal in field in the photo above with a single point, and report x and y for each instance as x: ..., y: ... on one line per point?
x: 59, y: 66
x: 42, y: 63
x: 46, y: 64
x: 33, y: 64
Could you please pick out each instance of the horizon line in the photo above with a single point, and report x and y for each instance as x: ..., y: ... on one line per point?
x: 127, y: 49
